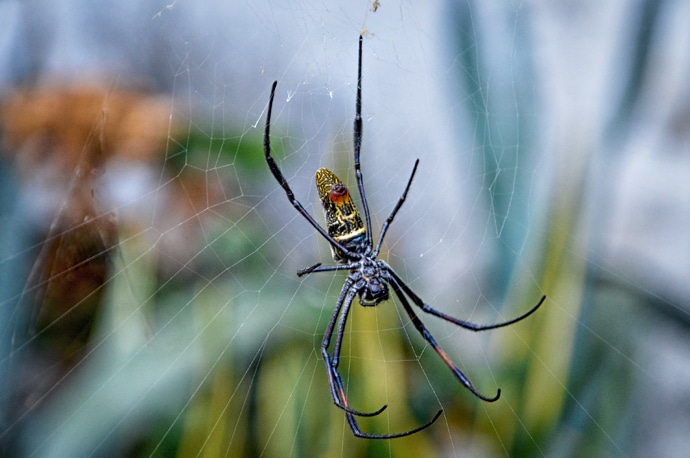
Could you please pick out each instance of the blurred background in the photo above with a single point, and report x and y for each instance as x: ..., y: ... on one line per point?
x: 149, y: 304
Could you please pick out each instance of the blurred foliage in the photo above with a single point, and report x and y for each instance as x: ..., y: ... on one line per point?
x: 204, y: 151
x: 218, y: 353
x: 221, y: 357
x: 179, y: 328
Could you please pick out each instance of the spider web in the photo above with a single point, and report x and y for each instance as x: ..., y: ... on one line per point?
x: 148, y: 293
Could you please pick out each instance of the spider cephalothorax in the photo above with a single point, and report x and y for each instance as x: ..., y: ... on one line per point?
x: 369, y: 278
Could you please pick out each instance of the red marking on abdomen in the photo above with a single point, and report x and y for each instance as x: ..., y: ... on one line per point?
x: 339, y: 194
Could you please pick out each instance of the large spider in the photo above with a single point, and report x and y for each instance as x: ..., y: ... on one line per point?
x: 369, y: 278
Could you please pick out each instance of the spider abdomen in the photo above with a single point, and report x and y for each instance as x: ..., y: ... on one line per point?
x: 342, y: 219
x: 368, y: 277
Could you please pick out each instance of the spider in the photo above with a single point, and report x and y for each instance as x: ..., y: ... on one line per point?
x: 368, y: 278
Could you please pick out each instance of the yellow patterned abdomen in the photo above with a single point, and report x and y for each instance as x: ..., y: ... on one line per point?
x: 342, y: 219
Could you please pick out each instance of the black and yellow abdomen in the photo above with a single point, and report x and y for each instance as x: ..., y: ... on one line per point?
x: 342, y: 219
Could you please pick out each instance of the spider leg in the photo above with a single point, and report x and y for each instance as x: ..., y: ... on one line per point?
x: 340, y: 314
x: 464, y: 324
x: 358, y: 433
x: 389, y: 220
x: 397, y: 285
x: 275, y: 170
x: 308, y: 270
x: 357, y: 140
x: 319, y: 268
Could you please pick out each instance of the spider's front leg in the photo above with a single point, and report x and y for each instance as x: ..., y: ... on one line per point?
x: 340, y: 314
x: 426, y: 308
x: 401, y: 289
x: 397, y: 288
